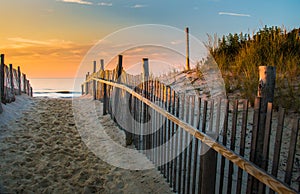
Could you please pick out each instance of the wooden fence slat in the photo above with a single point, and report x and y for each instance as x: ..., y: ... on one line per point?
x: 292, y: 150
x: 176, y: 160
x: 185, y: 142
x: 181, y: 144
x: 242, y: 144
x: 190, y: 147
x: 232, y: 143
x: 204, y: 116
x: 277, y: 146
x: 224, y: 142
x: 256, y: 119
x: 196, y: 148
x: 172, y: 133
x: 265, y: 153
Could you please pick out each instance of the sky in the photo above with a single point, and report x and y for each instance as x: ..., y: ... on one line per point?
x: 49, y: 38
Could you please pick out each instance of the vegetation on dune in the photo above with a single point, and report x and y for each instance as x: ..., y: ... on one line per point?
x: 239, y: 55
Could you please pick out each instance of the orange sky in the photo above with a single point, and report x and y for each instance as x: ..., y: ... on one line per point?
x: 47, y: 59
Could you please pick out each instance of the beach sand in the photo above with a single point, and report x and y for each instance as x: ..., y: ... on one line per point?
x: 42, y: 151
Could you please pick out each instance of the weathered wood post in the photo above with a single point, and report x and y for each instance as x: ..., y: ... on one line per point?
x: 12, y: 87
x: 102, y: 64
x: 145, y: 77
x: 2, y: 97
x: 87, y: 83
x: 104, y: 95
x: 31, y: 91
x: 187, y: 67
x: 28, y: 87
x: 117, y: 90
x: 266, y: 87
x: 24, y: 83
x: 94, y: 82
x: 102, y: 77
x: 19, y: 80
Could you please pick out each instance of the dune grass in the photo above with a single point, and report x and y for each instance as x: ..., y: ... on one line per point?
x: 239, y: 55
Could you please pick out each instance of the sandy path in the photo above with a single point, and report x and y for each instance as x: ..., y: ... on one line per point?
x: 44, y: 153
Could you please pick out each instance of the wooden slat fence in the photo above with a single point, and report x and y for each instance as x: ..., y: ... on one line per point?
x: 180, y: 129
x: 12, y: 83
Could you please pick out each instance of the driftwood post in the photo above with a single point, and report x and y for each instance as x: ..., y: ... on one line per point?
x: 2, y: 79
x: 94, y: 82
x: 266, y: 87
x: 19, y: 80
x: 12, y: 87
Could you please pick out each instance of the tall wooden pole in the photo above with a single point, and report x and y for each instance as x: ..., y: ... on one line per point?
x: 187, y: 67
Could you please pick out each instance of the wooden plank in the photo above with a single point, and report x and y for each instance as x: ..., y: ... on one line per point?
x: 190, y: 147
x: 176, y: 145
x: 185, y: 142
x: 165, y: 132
x: 242, y: 144
x: 277, y: 146
x: 201, y: 171
x: 246, y: 165
x: 256, y: 119
x: 172, y: 133
x: 196, y: 148
x: 292, y: 150
x: 180, y: 169
x: 169, y: 135
x: 232, y: 143
x: 265, y: 153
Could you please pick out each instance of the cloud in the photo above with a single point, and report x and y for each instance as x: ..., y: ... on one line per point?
x: 234, y: 14
x: 27, y: 41
x: 105, y: 4
x: 138, y: 6
x: 83, y: 2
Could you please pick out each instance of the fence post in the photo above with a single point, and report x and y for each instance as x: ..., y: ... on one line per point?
x: 12, y: 88
x: 104, y: 95
x: 266, y: 87
x: 117, y: 90
x: 87, y: 83
x: 2, y: 79
x: 94, y: 82
x: 145, y: 76
x: 19, y: 80
x: 102, y: 64
x: 25, y: 83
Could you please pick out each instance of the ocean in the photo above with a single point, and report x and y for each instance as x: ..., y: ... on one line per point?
x: 56, y: 88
